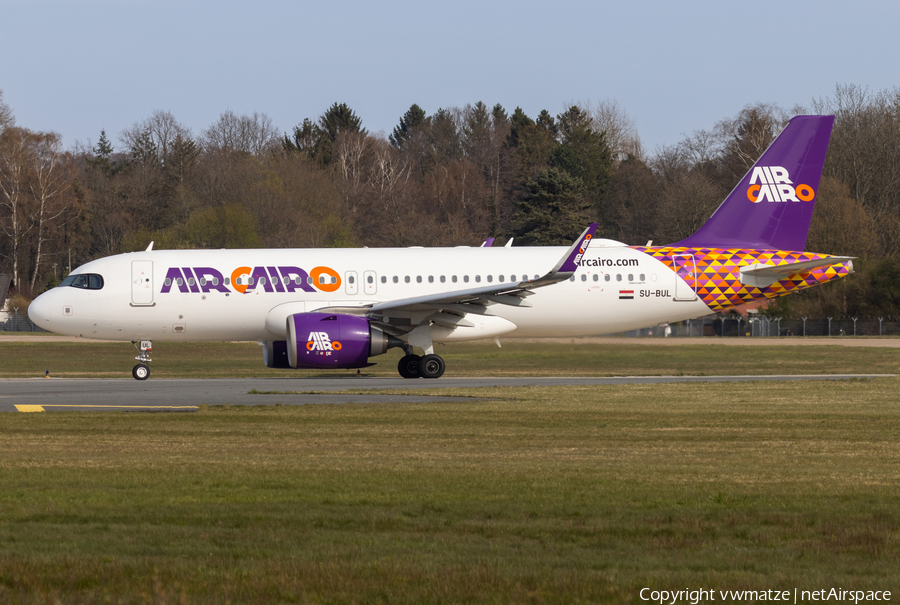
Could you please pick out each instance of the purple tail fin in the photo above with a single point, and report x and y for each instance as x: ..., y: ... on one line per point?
x: 772, y: 205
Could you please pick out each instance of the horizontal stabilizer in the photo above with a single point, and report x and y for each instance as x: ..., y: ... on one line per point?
x: 761, y: 275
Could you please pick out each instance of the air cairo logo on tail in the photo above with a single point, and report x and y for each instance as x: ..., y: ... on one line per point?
x: 320, y: 341
x: 773, y: 184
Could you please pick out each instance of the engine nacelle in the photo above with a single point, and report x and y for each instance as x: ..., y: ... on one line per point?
x: 321, y: 340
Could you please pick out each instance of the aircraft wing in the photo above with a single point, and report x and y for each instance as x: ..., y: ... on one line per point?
x: 762, y: 275
x: 477, y: 300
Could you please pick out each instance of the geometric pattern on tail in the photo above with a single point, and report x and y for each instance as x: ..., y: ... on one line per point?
x: 717, y: 273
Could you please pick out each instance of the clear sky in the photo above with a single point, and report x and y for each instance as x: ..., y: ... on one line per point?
x: 674, y: 67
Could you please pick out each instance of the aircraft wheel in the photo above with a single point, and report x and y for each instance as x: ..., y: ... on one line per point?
x: 141, y: 371
x: 432, y: 366
x: 409, y: 366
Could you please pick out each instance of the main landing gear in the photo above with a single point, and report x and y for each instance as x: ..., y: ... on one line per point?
x: 142, y: 371
x: 429, y: 366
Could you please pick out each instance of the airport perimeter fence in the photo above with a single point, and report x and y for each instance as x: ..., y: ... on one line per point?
x: 770, y: 327
x: 15, y: 322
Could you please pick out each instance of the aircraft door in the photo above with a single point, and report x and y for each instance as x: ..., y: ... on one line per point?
x: 370, y: 282
x: 142, y: 283
x: 685, y: 287
x: 351, y: 282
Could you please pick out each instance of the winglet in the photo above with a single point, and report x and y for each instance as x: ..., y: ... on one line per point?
x: 488, y: 242
x: 568, y: 264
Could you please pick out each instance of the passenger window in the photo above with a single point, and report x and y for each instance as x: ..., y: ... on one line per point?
x: 351, y: 279
x: 606, y: 277
x: 215, y: 281
x: 202, y: 281
x: 642, y: 277
x: 384, y: 279
x: 618, y: 277
x: 443, y: 279
x: 262, y: 281
x: 370, y: 279
x: 584, y: 277
x: 466, y: 278
x: 572, y: 278
x: 418, y: 279
x: 179, y: 281
x: 500, y: 278
x: 490, y: 278
x: 168, y: 281
x: 596, y: 277
x: 396, y: 279
x: 630, y: 277
x: 431, y: 279
x: 227, y: 281
x: 453, y: 279
x: 406, y: 278
x: 191, y: 281
x: 478, y: 278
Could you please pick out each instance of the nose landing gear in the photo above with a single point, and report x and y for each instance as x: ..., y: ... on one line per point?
x: 142, y: 371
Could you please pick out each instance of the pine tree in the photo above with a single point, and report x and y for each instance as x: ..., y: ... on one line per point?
x: 102, y: 154
x: 553, y: 210
x: 413, y: 118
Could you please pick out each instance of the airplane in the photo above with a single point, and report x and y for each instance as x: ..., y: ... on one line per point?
x: 338, y: 308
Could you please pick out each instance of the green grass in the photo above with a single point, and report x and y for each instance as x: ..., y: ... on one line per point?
x: 537, y: 495
x: 210, y: 360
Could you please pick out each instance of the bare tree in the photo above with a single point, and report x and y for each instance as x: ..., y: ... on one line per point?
x: 864, y: 153
x: 745, y: 137
x: 620, y: 129
x: 48, y: 184
x: 14, y: 150
x: 6, y: 115
x: 250, y: 134
x: 161, y: 128
x: 686, y: 204
x: 351, y: 150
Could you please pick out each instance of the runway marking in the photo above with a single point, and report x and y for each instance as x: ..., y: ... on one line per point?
x: 40, y: 408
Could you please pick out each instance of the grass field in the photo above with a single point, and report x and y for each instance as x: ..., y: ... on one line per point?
x: 516, y: 358
x: 533, y: 495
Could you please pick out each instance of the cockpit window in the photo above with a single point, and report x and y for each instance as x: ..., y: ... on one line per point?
x: 86, y: 281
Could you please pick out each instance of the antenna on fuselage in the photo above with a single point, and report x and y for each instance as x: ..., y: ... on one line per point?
x: 149, y: 248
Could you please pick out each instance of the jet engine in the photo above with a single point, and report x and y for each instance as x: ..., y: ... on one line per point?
x: 275, y: 354
x: 321, y: 340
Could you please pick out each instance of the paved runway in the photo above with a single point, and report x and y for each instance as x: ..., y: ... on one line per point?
x: 70, y: 394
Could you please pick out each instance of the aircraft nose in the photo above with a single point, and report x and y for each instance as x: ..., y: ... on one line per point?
x: 40, y: 310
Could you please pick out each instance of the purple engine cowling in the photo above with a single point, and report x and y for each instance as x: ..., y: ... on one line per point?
x: 320, y: 340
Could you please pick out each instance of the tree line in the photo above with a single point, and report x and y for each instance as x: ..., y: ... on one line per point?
x: 453, y: 177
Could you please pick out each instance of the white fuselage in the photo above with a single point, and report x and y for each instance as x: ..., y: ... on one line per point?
x: 615, y: 288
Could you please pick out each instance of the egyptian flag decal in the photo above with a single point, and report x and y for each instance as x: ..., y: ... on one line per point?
x: 626, y: 294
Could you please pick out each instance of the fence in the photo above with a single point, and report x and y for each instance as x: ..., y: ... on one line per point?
x: 761, y: 326
x: 14, y: 321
